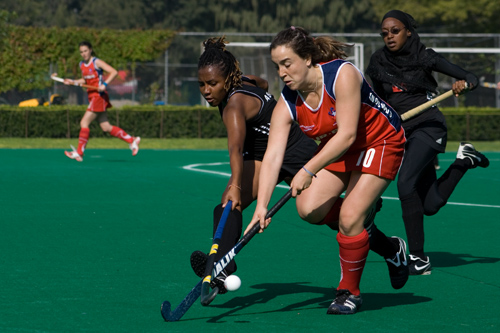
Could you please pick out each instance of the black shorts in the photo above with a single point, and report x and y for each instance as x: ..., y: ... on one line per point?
x: 296, y: 156
x: 432, y: 131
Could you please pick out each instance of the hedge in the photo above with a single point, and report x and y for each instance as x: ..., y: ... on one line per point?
x: 148, y: 122
x: 63, y: 121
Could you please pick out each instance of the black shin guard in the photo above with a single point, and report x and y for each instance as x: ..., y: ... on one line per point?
x: 230, y: 236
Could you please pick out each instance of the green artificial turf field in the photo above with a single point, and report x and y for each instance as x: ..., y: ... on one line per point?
x: 98, y: 246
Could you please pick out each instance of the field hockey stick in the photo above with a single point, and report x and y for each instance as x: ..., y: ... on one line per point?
x: 421, y: 108
x: 207, y: 296
x: 60, y: 79
x: 193, y: 295
x: 487, y: 84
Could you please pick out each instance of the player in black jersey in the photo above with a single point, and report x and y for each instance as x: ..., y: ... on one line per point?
x: 246, y: 109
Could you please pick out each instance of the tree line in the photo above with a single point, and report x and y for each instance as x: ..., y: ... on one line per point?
x: 479, y: 16
x: 36, y: 34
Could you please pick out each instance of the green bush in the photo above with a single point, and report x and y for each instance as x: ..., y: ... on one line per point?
x: 148, y: 121
x: 477, y: 124
x: 63, y: 121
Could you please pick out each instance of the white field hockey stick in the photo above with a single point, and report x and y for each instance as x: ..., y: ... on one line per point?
x: 421, y: 108
x: 60, y: 79
x: 489, y: 85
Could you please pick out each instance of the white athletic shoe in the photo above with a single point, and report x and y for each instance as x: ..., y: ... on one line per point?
x: 134, y: 146
x: 467, y: 150
x: 74, y: 155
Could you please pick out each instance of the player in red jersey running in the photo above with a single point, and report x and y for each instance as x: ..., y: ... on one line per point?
x: 362, y: 145
x: 92, y: 74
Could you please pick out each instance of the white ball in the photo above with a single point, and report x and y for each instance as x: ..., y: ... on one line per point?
x: 232, y: 283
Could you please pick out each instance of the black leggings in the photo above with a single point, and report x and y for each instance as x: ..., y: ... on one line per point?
x: 420, y: 192
x: 418, y: 176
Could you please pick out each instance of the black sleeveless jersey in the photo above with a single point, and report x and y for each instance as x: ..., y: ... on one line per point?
x: 257, y: 128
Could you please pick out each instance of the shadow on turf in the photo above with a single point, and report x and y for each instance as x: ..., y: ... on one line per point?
x: 448, y: 259
x: 371, y: 301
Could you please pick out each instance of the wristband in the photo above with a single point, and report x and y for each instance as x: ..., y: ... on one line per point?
x: 310, y: 173
x: 105, y: 84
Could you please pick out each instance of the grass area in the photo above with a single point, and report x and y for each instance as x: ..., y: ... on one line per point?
x: 148, y: 143
x: 112, y: 143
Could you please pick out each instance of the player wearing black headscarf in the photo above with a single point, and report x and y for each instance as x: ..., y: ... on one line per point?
x: 401, y: 73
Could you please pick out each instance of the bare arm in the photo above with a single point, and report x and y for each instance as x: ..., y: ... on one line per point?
x: 271, y: 164
x: 108, y: 69
x: 261, y: 83
x: 240, y: 107
x: 348, y: 103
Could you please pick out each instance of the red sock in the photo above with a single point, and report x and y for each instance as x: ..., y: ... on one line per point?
x: 332, y: 218
x: 83, y: 138
x: 353, y: 252
x: 121, y: 134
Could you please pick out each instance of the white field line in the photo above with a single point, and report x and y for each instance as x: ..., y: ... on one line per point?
x: 198, y: 167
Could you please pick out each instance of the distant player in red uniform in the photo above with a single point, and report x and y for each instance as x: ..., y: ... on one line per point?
x: 362, y: 145
x: 92, y: 74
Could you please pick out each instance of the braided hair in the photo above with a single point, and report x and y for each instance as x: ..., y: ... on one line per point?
x: 215, y: 54
x: 319, y: 49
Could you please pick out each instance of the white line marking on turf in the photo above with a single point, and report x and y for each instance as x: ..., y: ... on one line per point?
x: 194, y: 167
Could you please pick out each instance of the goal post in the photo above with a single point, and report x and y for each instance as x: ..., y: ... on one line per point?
x: 255, y: 59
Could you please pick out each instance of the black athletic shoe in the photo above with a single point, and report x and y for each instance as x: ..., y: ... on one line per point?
x: 345, y: 303
x: 199, y: 263
x: 419, y: 266
x: 398, y: 266
x: 467, y: 150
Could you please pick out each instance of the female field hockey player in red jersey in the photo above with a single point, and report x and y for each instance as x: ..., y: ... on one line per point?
x: 362, y: 145
x: 246, y: 109
x: 92, y: 74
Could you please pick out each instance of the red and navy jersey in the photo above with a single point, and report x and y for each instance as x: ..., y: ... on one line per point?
x: 378, y: 120
x: 92, y: 75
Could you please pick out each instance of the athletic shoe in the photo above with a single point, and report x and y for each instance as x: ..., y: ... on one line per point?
x: 419, y: 266
x: 199, y: 263
x: 467, y: 150
x: 74, y: 155
x: 345, y: 303
x: 398, y: 266
x: 134, y: 146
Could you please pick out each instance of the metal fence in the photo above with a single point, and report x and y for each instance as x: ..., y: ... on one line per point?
x: 177, y: 69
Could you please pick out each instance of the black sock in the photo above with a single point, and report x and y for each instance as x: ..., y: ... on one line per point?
x: 380, y: 243
x: 230, y: 236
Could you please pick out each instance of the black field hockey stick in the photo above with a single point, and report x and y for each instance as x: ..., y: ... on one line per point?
x: 207, y: 296
x: 427, y: 105
x: 196, y: 291
x: 193, y: 295
x: 221, y: 264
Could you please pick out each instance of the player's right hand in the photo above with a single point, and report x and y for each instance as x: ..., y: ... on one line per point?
x: 259, y: 216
